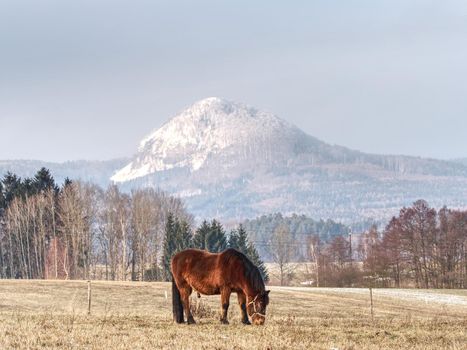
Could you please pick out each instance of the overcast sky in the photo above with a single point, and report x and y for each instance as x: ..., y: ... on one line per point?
x: 88, y: 79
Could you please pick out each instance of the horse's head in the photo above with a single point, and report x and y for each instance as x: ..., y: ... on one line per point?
x: 257, y: 308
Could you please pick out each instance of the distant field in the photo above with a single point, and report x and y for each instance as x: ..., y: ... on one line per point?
x: 52, y: 315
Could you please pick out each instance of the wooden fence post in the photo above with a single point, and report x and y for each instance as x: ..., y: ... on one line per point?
x: 89, y: 297
x: 371, y: 304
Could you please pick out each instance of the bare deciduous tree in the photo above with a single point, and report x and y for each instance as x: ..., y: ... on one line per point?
x: 282, y: 248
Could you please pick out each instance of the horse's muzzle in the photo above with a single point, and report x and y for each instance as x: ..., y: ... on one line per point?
x: 258, y: 320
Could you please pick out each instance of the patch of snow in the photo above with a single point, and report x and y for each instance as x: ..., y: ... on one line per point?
x: 427, y: 296
x: 188, y: 193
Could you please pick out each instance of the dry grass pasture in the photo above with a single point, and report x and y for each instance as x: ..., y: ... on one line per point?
x: 52, y: 315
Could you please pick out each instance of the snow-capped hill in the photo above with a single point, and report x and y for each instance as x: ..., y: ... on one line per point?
x: 204, y: 130
x: 231, y: 161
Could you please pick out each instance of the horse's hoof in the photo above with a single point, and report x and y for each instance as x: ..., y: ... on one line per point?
x: 247, y: 322
x: 191, y: 321
x: 224, y: 322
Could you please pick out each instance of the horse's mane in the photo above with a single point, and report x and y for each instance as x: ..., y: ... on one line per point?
x: 252, y: 273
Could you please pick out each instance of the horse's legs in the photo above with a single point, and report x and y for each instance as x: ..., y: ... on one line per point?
x: 225, y: 298
x: 185, y: 293
x: 242, y: 303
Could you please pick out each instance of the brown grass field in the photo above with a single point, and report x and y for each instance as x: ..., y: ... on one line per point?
x: 128, y: 315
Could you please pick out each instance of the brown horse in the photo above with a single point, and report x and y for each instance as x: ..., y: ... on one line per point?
x: 223, y: 273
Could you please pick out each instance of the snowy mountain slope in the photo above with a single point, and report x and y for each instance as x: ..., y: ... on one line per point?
x: 232, y: 161
x: 210, y: 128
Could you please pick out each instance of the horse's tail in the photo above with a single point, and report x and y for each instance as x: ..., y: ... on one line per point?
x: 177, y: 306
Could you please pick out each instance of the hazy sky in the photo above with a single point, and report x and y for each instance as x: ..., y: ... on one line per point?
x: 88, y: 79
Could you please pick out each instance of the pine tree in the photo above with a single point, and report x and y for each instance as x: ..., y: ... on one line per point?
x: 43, y: 181
x: 239, y: 240
x: 184, y: 237
x: 233, y: 239
x: 169, y: 246
x: 199, y: 239
x: 11, y: 187
x: 27, y: 187
x: 178, y: 237
x: 210, y: 237
x: 256, y: 259
x: 216, y: 240
x: 67, y: 182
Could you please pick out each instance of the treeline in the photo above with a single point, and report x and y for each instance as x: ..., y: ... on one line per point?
x: 209, y: 236
x: 421, y: 248
x: 78, y: 230
x: 300, y: 227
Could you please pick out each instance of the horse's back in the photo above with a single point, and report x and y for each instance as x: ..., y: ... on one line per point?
x: 189, y: 256
x: 191, y: 261
x: 200, y: 269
